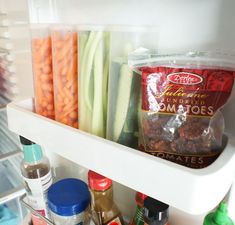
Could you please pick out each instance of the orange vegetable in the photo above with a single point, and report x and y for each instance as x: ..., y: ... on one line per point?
x: 43, y: 77
x: 64, y: 52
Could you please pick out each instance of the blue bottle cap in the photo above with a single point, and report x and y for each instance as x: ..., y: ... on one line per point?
x: 68, y: 197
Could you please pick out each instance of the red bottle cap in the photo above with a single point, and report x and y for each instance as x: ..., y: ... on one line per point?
x: 98, y: 182
x: 139, y: 198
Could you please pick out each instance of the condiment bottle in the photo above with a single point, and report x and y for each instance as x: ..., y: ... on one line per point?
x: 69, y: 201
x: 36, y: 172
x: 155, y: 212
x: 219, y: 217
x: 138, y: 217
x: 102, y: 199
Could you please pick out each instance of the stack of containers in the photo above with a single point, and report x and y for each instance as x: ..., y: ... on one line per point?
x: 8, y: 89
x: 13, y: 43
x: 89, y: 67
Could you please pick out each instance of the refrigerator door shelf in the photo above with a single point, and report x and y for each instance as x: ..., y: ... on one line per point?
x: 190, y: 190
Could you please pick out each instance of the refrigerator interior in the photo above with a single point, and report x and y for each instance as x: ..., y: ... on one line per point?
x: 184, y: 25
x: 11, y: 187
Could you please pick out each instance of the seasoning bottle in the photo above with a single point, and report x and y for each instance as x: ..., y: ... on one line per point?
x: 155, y: 212
x: 69, y: 201
x: 102, y: 199
x: 219, y: 217
x: 36, y: 172
x: 138, y: 217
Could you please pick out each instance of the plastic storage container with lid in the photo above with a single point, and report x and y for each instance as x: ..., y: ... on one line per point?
x: 42, y: 71
x: 68, y: 201
x: 64, y: 57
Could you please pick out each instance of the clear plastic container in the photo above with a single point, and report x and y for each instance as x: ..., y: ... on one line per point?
x: 93, y: 78
x: 42, y: 70
x: 69, y: 202
x: 124, y: 84
x: 64, y: 49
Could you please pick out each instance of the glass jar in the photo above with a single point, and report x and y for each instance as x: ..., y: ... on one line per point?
x: 102, y: 199
x: 68, y: 201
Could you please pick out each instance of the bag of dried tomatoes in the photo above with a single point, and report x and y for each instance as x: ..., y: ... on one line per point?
x: 182, y: 95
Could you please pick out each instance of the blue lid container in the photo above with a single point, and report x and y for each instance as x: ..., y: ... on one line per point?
x: 68, y: 197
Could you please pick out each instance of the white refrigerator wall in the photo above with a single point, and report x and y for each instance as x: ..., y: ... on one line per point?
x: 183, y: 25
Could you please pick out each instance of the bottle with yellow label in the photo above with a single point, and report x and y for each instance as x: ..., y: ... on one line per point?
x: 155, y: 212
x: 102, y: 199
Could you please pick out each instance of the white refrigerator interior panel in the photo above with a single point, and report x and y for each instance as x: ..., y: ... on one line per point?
x: 183, y: 24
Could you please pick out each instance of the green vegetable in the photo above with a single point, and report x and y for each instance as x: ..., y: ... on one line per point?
x: 124, y: 91
x: 97, y: 126
x: 93, y: 82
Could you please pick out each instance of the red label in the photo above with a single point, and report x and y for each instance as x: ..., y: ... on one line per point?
x: 178, y: 90
x: 184, y: 78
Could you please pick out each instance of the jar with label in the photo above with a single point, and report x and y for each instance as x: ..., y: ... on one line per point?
x: 36, y: 172
x: 138, y: 217
x: 69, y: 201
x: 155, y: 212
x: 102, y: 199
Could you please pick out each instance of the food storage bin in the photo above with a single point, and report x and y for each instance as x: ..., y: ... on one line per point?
x: 124, y: 84
x: 42, y: 71
x: 64, y: 52
x: 69, y: 202
x: 93, y: 78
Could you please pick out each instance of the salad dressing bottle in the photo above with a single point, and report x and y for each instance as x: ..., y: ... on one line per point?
x: 37, y: 177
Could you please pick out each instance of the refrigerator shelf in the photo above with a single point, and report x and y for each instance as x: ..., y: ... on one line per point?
x: 194, y: 191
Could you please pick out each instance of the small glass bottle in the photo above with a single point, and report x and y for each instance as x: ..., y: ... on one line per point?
x: 155, y: 212
x: 138, y: 217
x: 36, y: 172
x: 102, y: 199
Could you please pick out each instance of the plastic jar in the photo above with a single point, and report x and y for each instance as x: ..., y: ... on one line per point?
x: 69, y: 201
x: 64, y: 57
x: 42, y: 71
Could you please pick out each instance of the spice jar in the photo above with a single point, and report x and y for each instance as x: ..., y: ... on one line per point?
x: 155, y: 212
x: 68, y: 201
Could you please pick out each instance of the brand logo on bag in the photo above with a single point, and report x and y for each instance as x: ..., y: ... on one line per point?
x: 184, y: 78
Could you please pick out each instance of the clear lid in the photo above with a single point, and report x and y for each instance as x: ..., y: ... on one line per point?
x: 212, y: 59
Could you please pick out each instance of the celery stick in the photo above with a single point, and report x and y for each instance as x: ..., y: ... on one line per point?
x: 87, y: 72
x: 83, y: 38
x: 105, y: 77
x: 112, y: 97
x: 83, y: 111
x: 97, y: 127
x: 86, y: 95
x: 124, y: 91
